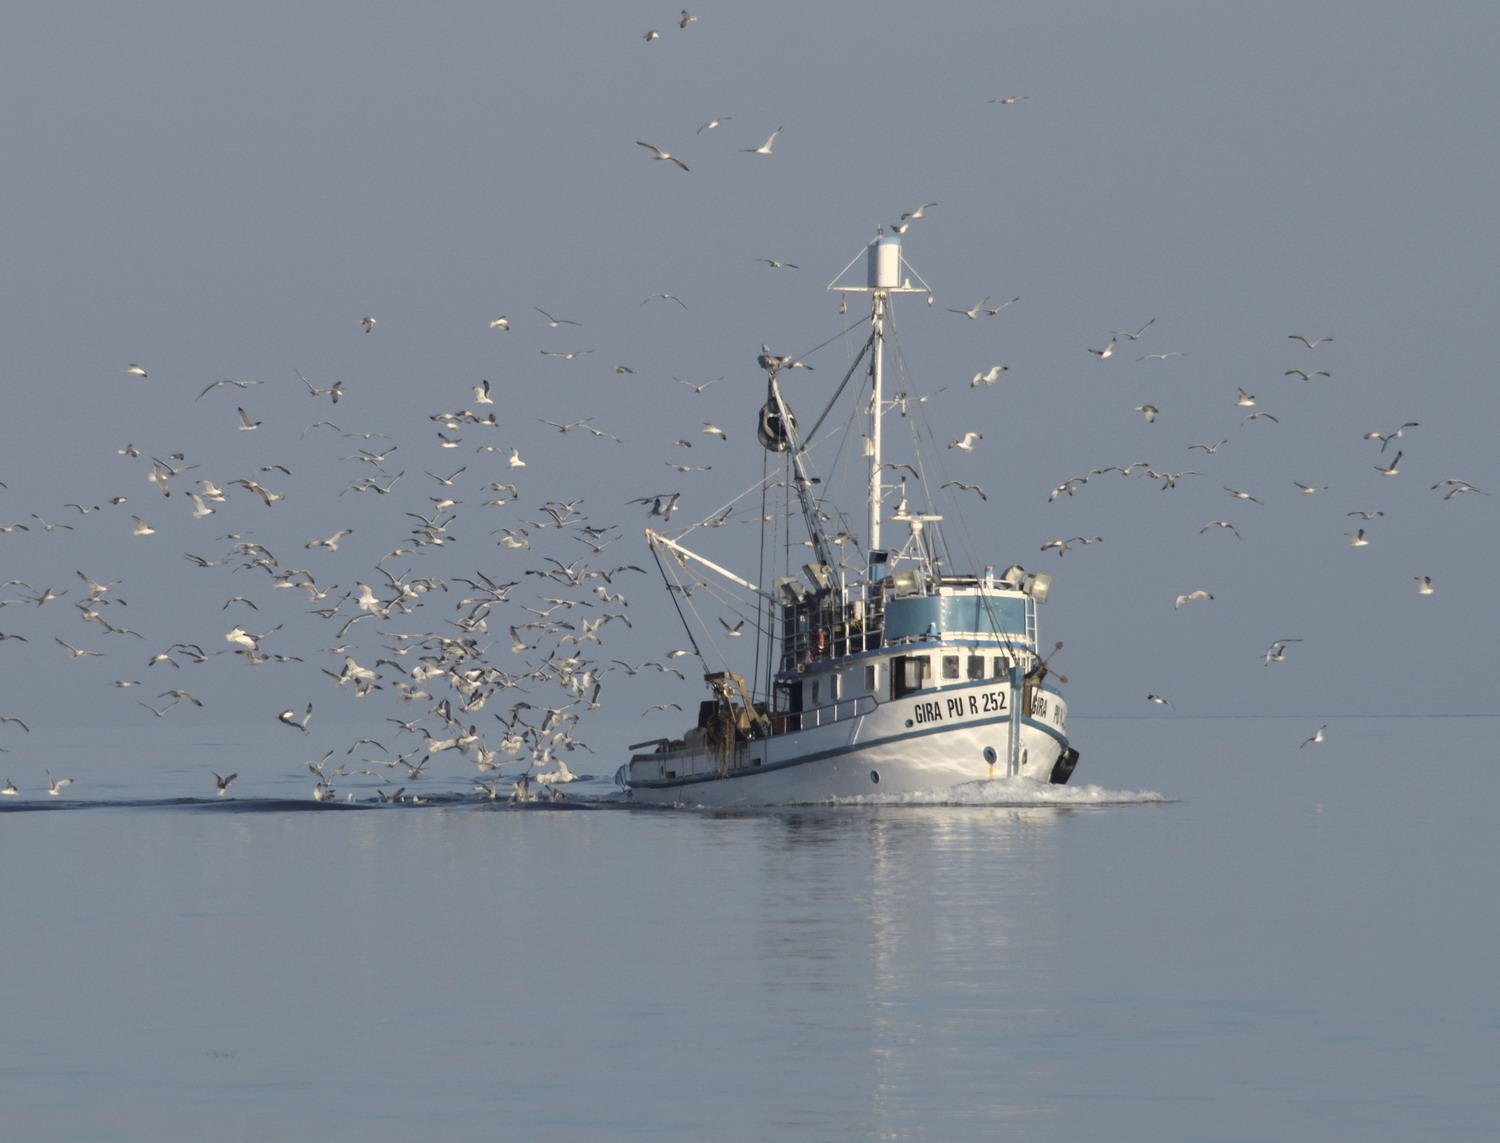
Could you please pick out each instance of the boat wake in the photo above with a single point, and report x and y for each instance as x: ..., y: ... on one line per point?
x: 1010, y: 792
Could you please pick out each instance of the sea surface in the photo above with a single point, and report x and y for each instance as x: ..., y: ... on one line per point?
x: 1214, y: 934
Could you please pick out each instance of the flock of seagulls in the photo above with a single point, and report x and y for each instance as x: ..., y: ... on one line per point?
x: 493, y: 659
x: 1360, y: 537
x: 492, y: 652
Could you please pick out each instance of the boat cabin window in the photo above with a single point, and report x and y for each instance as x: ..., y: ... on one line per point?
x: 835, y: 687
x: 1002, y: 667
x: 814, y: 700
x: 872, y: 677
x: 976, y: 667
x: 950, y: 666
x: 909, y: 673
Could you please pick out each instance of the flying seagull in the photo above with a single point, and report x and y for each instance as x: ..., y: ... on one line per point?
x: 658, y: 153
x: 1310, y: 342
x: 965, y: 443
x: 764, y: 148
x: 1136, y: 336
x: 554, y: 322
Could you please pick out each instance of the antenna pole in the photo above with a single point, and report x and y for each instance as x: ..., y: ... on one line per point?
x: 877, y: 329
x: 883, y: 266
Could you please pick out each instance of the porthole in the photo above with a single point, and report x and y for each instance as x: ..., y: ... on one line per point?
x: 875, y: 777
x: 990, y: 756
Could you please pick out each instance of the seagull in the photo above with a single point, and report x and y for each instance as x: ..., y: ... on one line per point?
x: 988, y: 377
x: 965, y: 443
x: 1363, y: 515
x: 212, y: 385
x: 1305, y: 375
x: 515, y: 460
x: 658, y: 153
x: 975, y: 310
x: 1309, y: 489
x: 367, y: 322
x: 1107, y: 351
x: 291, y: 718
x: 135, y: 370
x: 1136, y: 336
x: 223, y: 782
x: 1213, y: 448
x: 482, y: 393
x: 1189, y: 597
x: 1276, y: 653
x: 142, y: 528
x: 686, y: 18
x: 1317, y: 736
x: 73, y: 651
x: 332, y: 542
x: 332, y: 392
x: 1149, y: 411
x: 1357, y: 539
x: 1240, y: 495
x: 1248, y: 417
x: 698, y: 388
x: 966, y: 487
x: 1424, y: 584
x: 554, y: 322
x: 1387, y: 438
x: 10, y: 790
x: 1162, y: 356
x: 664, y: 298
x: 653, y: 34
x: 56, y: 788
x: 502, y: 323
x: 712, y: 123
x: 1160, y: 700
x: 1243, y: 398
x: 1310, y: 342
x: 713, y: 430
x: 569, y: 356
x: 734, y: 631
x: 1007, y: 100
x: 775, y: 265
x: 1391, y: 470
x: 764, y: 148
x: 246, y: 424
x: 1221, y: 524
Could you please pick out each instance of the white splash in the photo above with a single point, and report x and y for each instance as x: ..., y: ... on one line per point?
x: 1011, y: 792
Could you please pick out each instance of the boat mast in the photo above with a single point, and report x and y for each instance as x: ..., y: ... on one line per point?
x: 877, y: 361
x: 883, y: 265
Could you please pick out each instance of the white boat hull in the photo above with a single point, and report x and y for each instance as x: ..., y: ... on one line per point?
x: 926, y: 742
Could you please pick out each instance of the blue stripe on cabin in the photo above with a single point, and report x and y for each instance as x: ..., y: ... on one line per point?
x: 994, y: 615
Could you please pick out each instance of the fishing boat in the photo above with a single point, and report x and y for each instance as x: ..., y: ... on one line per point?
x: 879, y: 667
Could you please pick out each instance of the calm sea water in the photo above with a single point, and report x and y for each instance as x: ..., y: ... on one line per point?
x: 1224, y: 937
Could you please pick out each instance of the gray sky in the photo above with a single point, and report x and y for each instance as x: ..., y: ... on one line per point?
x: 220, y: 193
